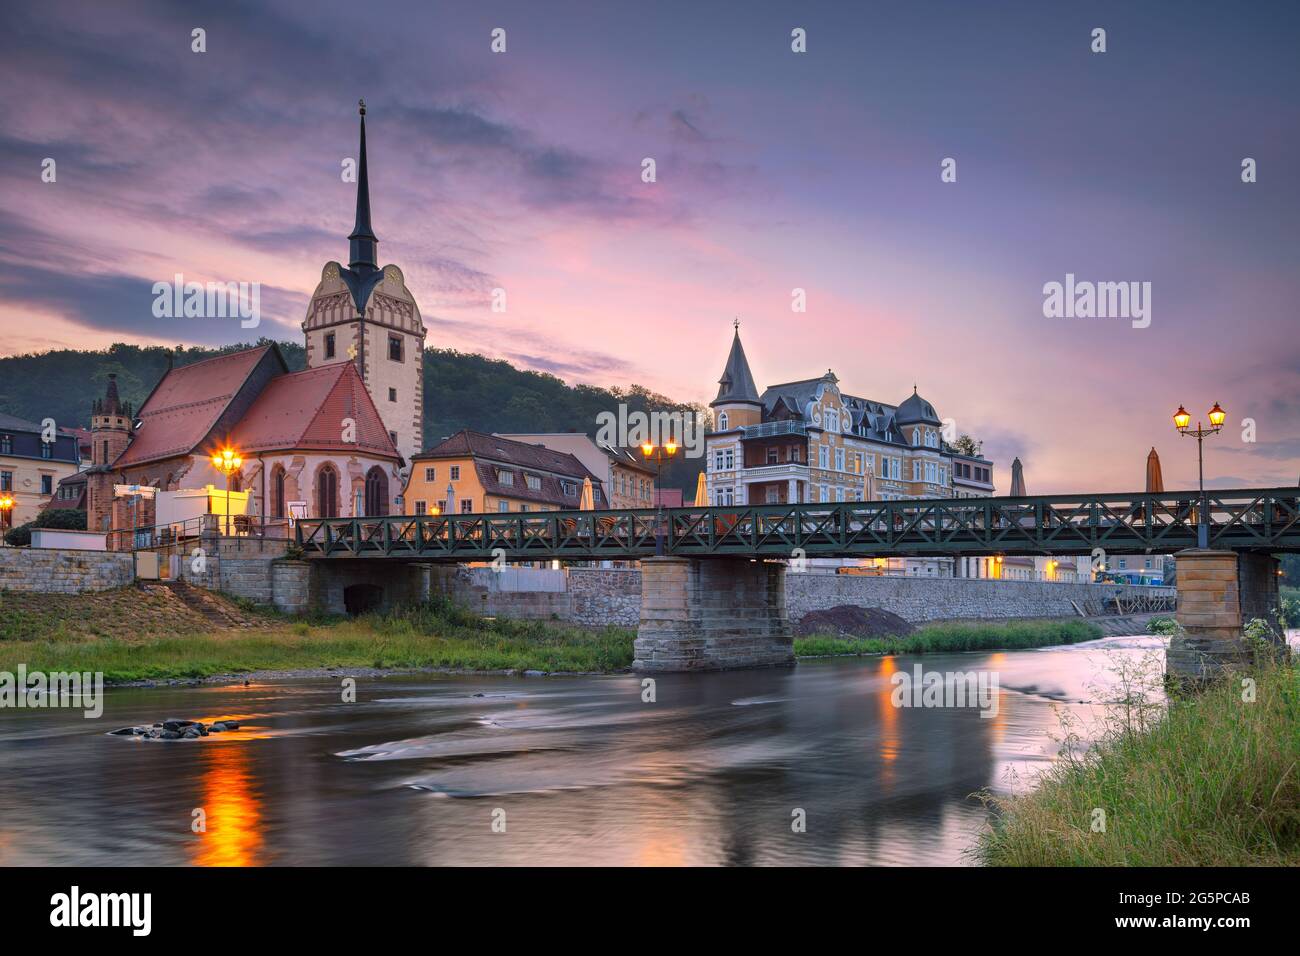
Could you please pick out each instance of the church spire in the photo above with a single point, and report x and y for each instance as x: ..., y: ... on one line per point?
x: 362, y: 251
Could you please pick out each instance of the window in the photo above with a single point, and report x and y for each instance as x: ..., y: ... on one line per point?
x: 839, y: 459
x: 722, y: 422
x: 570, y: 488
x: 277, y: 492
x: 523, y: 507
x: 47, y: 449
x: 916, y: 436
x: 327, y: 493
x: 47, y: 488
x: 6, y: 481
x: 505, y: 477
x: 421, y: 507
x: 392, y: 437
x: 395, y: 348
x: 773, y: 455
x: 430, y: 474
x: 455, y: 472
x: 467, y: 506
x: 392, y: 394
x: 442, y: 506
x: 534, y: 482
x: 823, y: 458
x: 329, y: 345
x: 7, y: 444
x: 822, y: 495
x: 503, y: 506
x: 916, y: 471
x: 832, y: 419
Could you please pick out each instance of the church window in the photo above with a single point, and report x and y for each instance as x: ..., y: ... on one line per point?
x: 327, y: 492
x: 329, y: 344
x: 392, y: 437
x: 392, y: 394
x: 395, y: 348
x: 277, y: 492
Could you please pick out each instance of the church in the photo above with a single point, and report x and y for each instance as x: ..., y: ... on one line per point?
x: 333, y: 440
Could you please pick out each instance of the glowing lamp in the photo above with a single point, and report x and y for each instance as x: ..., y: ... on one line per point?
x: 1182, y: 419
x: 1217, y: 416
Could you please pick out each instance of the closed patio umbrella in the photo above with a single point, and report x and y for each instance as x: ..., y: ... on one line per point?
x: 1018, y: 480
x: 1155, y: 480
x: 701, y: 493
x: 588, y: 500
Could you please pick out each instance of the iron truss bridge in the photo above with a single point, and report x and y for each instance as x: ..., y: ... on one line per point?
x: 1247, y: 520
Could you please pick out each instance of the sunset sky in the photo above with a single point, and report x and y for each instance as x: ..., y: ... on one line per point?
x: 776, y: 170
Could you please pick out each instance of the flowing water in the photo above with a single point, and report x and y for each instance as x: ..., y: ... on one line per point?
x: 429, y: 769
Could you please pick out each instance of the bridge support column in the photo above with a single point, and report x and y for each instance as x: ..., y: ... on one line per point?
x: 1219, y: 592
x: 712, y: 614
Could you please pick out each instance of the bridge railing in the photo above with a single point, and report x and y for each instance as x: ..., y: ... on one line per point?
x: 1258, y: 519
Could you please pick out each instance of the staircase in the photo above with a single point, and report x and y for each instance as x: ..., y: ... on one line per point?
x: 213, y: 608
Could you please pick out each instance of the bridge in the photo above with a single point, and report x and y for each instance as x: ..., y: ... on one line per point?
x: 713, y: 577
x: 1251, y: 520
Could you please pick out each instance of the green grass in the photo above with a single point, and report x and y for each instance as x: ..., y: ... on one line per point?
x: 935, y: 638
x: 429, y: 636
x: 1215, y: 782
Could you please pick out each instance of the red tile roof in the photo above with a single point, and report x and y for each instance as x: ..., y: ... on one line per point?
x: 186, y: 404
x: 306, y: 410
x: 493, y: 453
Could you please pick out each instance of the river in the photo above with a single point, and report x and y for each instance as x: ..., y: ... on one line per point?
x: 433, y: 769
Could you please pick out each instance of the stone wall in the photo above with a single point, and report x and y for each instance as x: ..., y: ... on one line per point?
x: 596, y: 597
x: 63, y: 572
x: 934, y: 599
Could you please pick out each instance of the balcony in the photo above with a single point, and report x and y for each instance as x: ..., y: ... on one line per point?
x: 773, y: 430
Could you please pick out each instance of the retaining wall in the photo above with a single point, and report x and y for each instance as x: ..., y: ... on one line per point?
x: 53, y: 571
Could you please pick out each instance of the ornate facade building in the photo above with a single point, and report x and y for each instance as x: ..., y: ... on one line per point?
x: 810, y: 442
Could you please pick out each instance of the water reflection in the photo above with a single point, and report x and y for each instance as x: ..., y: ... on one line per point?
x: 584, y: 771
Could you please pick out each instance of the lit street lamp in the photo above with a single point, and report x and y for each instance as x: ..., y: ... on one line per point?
x: 1181, y: 421
x: 659, y: 455
x: 227, y: 461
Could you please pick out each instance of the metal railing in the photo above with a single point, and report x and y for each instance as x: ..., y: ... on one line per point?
x: 1249, y: 519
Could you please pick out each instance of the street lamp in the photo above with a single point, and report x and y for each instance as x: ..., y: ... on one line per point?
x: 1182, y: 420
x: 227, y: 461
x: 6, y: 511
x: 659, y: 455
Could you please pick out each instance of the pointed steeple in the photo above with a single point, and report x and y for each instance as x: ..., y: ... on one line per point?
x: 362, y: 252
x: 737, y: 383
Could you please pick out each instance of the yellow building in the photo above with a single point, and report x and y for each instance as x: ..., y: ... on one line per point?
x: 474, y: 472
x: 33, y: 460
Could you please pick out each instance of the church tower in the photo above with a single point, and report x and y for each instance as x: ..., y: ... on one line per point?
x: 110, y: 433
x: 364, y: 314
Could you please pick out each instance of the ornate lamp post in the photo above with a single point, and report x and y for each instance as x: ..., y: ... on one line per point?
x: 1181, y: 421
x: 659, y: 455
x: 6, y: 510
x: 227, y: 461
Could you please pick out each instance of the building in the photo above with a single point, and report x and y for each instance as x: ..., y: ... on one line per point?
x: 31, y: 467
x: 364, y: 315
x: 810, y: 442
x: 477, y: 472
x: 330, y: 440
x: 626, y: 481
x: 312, y: 442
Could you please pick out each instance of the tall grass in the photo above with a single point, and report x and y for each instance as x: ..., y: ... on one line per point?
x: 425, y: 636
x: 1215, y: 781
x: 1015, y: 635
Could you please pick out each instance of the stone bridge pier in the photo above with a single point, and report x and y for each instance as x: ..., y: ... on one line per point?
x: 700, y: 614
x: 1219, y: 593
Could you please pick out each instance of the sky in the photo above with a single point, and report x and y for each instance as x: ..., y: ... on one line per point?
x: 775, y: 170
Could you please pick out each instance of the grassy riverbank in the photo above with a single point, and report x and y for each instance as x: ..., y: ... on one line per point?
x: 935, y: 638
x: 132, y: 635
x: 1215, y: 782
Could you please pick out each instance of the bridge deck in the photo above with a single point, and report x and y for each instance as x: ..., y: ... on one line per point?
x: 1241, y: 520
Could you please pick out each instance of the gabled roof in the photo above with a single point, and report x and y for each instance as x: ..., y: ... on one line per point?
x: 737, y: 383
x: 12, y: 423
x: 306, y: 411
x: 471, y: 444
x: 187, y: 403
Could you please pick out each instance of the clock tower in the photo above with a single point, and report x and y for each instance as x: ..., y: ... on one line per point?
x: 364, y: 314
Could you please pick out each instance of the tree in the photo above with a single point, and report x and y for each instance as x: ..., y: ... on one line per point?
x: 966, y: 445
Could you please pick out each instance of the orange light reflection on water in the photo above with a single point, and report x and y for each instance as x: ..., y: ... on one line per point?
x: 233, y: 808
